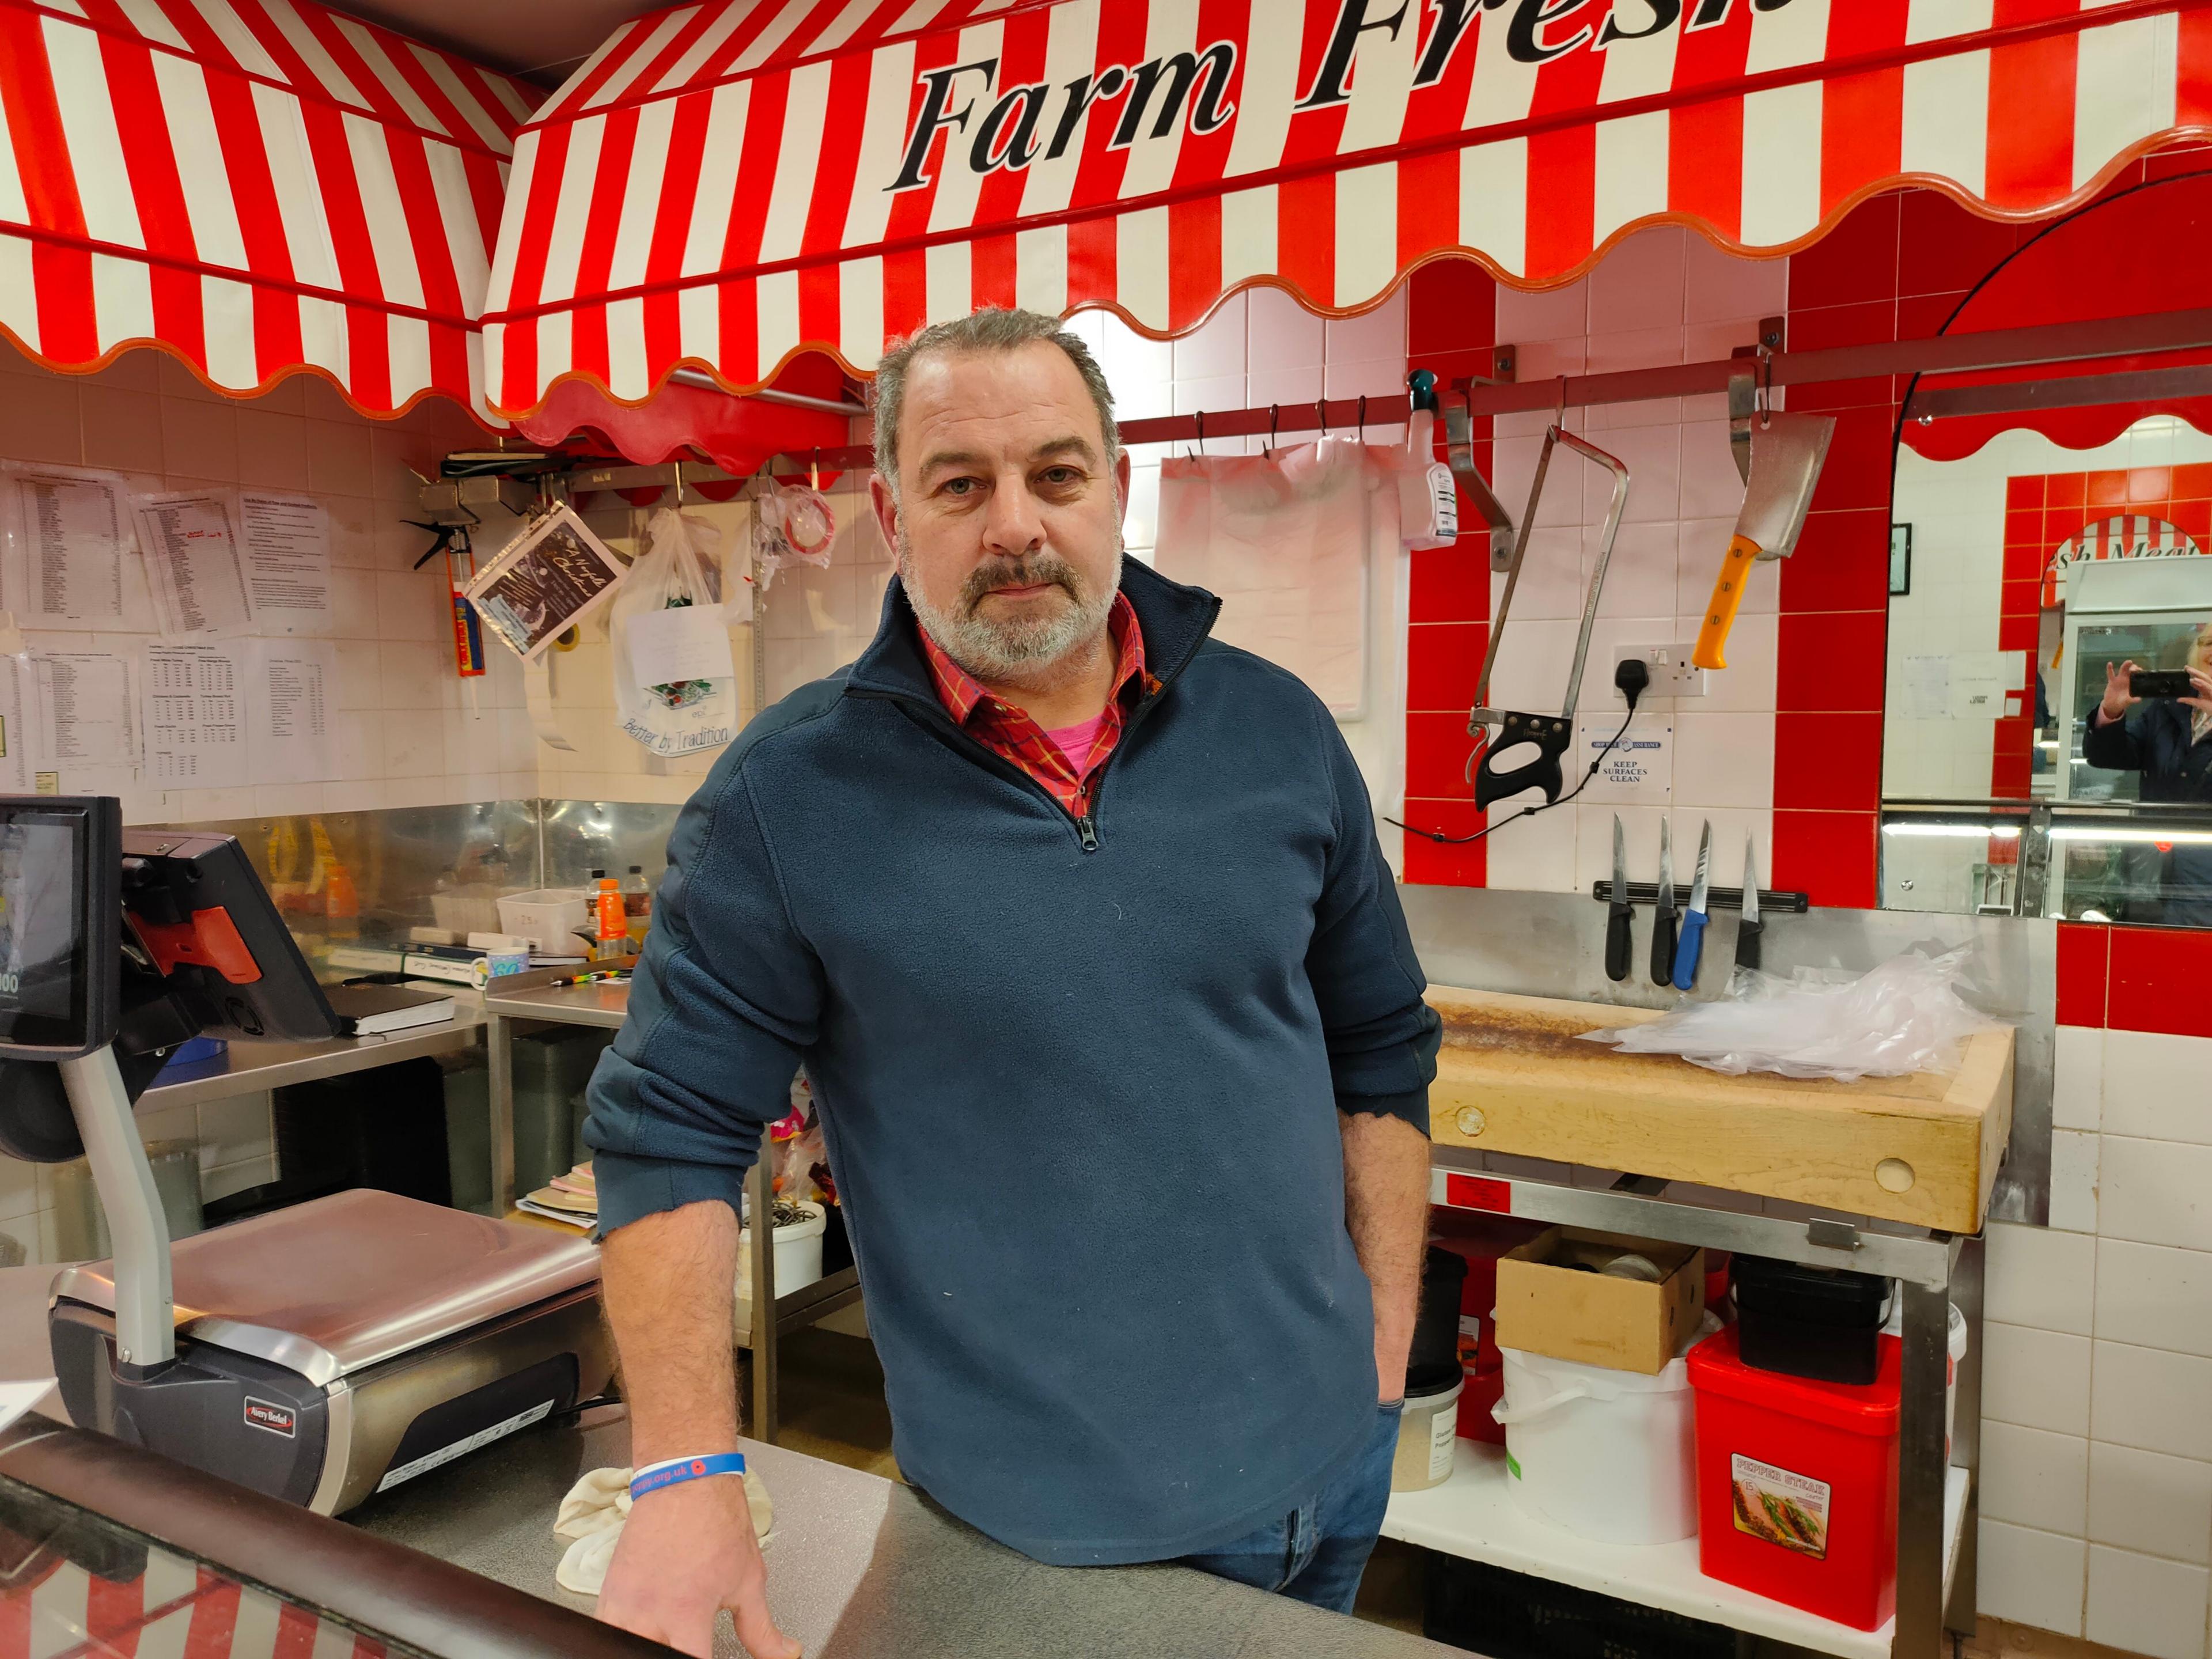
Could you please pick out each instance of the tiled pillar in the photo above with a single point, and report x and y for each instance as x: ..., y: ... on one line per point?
x: 1450, y: 327
x: 2096, y: 1438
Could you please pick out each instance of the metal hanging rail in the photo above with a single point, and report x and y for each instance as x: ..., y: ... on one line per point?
x: 2010, y: 348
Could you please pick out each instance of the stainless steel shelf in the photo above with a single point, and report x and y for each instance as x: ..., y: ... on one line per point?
x: 1936, y: 1502
x: 253, y: 1064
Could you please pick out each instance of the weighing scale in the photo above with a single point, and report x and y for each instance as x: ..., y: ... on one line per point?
x: 318, y: 1353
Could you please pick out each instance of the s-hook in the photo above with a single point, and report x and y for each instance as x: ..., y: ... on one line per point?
x: 1274, y: 415
x: 1193, y: 454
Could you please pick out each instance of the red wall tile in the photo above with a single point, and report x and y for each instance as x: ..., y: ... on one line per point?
x: 1842, y: 562
x: 2158, y: 980
x: 1856, y: 261
x: 1451, y: 305
x: 1829, y: 856
x: 1942, y: 247
x: 1923, y: 316
x: 1831, y: 659
x: 1860, y: 461
x: 1828, y: 762
x: 1868, y: 323
x: 1442, y: 662
x: 1465, y: 864
x: 1451, y: 584
x: 2084, y: 950
x: 2023, y: 493
x: 1436, y: 750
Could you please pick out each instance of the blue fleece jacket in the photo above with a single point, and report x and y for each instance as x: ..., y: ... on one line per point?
x: 1081, y: 1100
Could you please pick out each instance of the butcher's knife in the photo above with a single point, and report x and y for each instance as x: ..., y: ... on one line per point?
x: 1787, y: 453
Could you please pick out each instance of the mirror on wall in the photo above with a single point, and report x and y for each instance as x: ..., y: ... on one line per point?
x: 2026, y: 577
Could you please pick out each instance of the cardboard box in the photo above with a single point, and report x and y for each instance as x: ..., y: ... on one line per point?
x: 1550, y: 1301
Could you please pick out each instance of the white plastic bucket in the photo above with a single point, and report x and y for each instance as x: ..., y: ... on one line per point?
x: 1428, y: 1438
x: 797, y: 1254
x: 1895, y: 1327
x: 1606, y: 1454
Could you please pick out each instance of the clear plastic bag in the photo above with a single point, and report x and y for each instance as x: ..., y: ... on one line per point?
x: 793, y: 524
x: 1905, y: 1016
x: 677, y: 572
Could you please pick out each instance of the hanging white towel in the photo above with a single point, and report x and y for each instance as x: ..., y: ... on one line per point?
x: 593, y: 1515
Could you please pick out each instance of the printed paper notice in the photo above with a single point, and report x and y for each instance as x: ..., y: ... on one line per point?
x: 196, y: 703
x: 292, y: 711
x: 74, y: 535
x: 1640, y: 767
x: 287, y: 562
x: 194, y: 566
x: 683, y: 642
x: 85, y: 706
x: 16, y: 693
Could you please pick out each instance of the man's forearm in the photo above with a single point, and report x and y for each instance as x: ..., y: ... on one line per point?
x: 1386, y: 1207
x: 669, y: 1281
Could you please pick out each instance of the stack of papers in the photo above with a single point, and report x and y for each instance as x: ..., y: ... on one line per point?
x: 572, y: 1200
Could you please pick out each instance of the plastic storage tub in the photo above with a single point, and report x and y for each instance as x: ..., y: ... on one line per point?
x: 1895, y: 1327
x: 1428, y: 1438
x: 1480, y: 1241
x: 1605, y: 1454
x: 1817, y: 1322
x: 797, y: 1254
x: 548, y: 917
x: 1797, y: 1483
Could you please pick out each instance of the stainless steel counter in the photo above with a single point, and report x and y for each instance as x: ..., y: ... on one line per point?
x: 862, y: 1568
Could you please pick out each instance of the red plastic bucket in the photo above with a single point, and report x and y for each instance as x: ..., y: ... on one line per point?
x: 1797, y: 1484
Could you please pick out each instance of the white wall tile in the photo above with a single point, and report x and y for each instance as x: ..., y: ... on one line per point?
x: 1377, y: 333
x: 2074, y: 1182
x: 2035, y: 1479
x: 1557, y: 314
x: 2144, y: 1605
x: 1723, y: 760
x: 2077, y: 1078
x: 1218, y: 346
x: 2156, y: 1192
x: 1718, y: 283
x: 2154, y: 1297
x: 1283, y: 333
x: 2152, y: 1401
x: 2144, y: 1501
x: 2155, y: 1086
x: 2030, y: 1576
x: 1639, y: 283
x: 2040, y: 1277
x: 2037, y: 1379
x: 122, y: 428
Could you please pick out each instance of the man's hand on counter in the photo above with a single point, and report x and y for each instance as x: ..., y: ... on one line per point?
x: 686, y: 1552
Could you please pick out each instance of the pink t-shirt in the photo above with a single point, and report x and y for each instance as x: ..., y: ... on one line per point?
x: 1075, y: 741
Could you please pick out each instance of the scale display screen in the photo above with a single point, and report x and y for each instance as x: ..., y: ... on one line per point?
x: 58, y: 909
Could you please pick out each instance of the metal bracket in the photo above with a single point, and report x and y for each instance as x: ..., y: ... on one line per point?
x: 1832, y: 1234
x: 1459, y: 443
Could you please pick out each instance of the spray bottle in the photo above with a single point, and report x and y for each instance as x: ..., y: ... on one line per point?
x: 1428, y: 499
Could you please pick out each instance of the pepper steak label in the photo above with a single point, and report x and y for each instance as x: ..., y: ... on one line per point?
x: 1780, y: 1507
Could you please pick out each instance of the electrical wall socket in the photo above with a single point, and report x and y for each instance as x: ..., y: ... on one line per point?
x: 1673, y: 675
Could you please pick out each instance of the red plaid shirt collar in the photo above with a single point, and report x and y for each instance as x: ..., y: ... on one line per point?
x: 1010, y: 732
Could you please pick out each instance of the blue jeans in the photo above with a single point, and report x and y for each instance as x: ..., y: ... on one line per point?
x: 1317, y: 1553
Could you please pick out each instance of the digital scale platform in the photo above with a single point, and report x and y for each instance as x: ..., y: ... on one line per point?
x: 318, y: 1353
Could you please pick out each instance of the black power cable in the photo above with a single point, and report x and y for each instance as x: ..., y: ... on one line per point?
x: 1630, y: 677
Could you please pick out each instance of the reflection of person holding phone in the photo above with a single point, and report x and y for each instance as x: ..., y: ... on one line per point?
x: 2168, y: 740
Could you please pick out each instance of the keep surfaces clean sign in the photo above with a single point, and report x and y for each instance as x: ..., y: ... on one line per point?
x: 1637, y: 769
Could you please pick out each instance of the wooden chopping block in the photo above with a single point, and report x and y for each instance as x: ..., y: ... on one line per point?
x: 1514, y: 1076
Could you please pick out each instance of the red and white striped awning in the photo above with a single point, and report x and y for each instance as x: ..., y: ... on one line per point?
x: 731, y: 182
x: 258, y: 185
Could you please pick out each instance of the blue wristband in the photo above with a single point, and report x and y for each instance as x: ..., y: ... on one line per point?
x: 671, y: 1472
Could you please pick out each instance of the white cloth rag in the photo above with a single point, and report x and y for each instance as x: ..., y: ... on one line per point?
x: 593, y: 1515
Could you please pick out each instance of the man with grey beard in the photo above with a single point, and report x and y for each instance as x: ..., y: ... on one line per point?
x: 1077, y: 920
